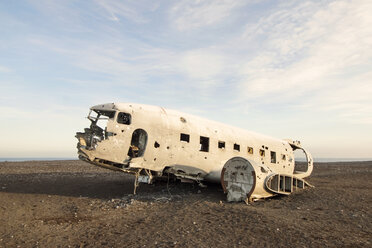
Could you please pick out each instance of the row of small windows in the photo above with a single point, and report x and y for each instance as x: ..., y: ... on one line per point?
x: 204, y: 147
x: 125, y: 118
x: 204, y: 141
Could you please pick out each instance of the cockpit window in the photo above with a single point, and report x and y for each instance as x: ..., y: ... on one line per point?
x: 100, y: 117
x: 95, y: 115
x: 124, y: 118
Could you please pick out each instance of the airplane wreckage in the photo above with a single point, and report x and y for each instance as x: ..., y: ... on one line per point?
x: 152, y: 142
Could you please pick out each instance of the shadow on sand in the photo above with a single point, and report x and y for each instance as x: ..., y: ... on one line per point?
x: 101, y: 186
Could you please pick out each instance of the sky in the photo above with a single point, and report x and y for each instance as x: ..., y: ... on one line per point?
x: 288, y: 69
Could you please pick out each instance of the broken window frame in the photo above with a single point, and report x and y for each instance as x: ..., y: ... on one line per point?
x: 101, y: 116
x: 98, y: 128
x: 250, y: 150
x: 262, y: 152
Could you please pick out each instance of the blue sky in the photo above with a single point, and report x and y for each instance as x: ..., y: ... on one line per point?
x: 289, y: 69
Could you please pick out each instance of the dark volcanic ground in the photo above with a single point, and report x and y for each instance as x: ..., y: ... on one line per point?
x: 75, y: 204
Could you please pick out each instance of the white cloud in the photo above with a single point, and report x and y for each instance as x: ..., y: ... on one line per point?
x: 203, y: 66
x: 135, y: 62
x: 311, y: 48
x: 127, y: 10
x: 350, y: 102
x: 194, y: 14
x: 5, y: 69
x: 120, y: 57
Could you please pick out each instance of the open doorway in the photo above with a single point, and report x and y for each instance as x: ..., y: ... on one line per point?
x: 138, y: 143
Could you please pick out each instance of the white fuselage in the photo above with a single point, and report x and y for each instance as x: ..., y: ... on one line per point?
x: 190, y: 145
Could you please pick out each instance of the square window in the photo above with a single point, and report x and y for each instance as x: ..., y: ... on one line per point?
x: 204, y: 144
x: 124, y: 118
x: 185, y: 137
x: 236, y: 147
x: 221, y: 144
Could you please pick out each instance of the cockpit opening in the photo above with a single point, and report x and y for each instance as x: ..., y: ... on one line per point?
x: 100, y: 117
x: 97, y: 130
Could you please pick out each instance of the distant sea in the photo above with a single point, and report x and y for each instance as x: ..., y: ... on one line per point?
x: 326, y: 160
x: 319, y: 160
x: 34, y: 159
